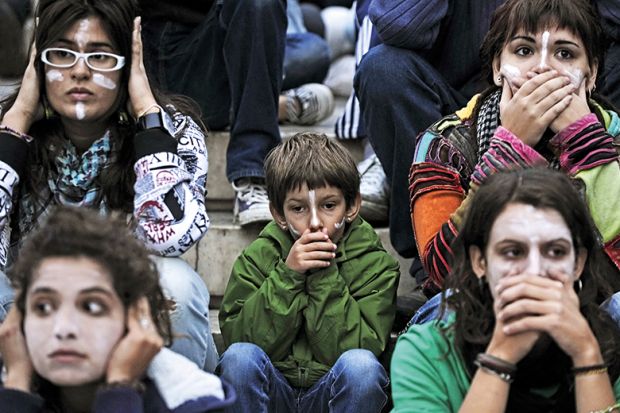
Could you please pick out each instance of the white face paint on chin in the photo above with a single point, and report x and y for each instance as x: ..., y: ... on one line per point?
x: 104, y: 81
x: 54, y: 75
x: 80, y: 110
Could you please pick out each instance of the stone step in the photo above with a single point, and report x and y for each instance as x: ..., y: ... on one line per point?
x: 220, y: 194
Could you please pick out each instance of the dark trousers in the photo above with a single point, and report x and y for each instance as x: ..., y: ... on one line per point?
x: 610, y: 87
x: 400, y: 94
x: 231, y: 64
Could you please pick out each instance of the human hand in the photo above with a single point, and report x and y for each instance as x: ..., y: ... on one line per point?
x: 134, y: 352
x: 141, y: 97
x: 529, y: 112
x: 577, y: 109
x: 14, y: 352
x: 27, y: 107
x: 311, y: 251
x: 531, y: 303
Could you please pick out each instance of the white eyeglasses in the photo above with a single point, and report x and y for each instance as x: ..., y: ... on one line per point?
x: 64, y: 58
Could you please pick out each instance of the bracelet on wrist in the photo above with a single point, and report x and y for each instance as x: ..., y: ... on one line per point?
x: 609, y: 409
x: 589, y: 370
x: 137, y: 385
x: 496, y: 366
x: 15, y: 133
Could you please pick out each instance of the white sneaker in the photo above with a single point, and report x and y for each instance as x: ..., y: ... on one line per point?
x: 309, y: 104
x: 374, y: 190
x: 251, y: 202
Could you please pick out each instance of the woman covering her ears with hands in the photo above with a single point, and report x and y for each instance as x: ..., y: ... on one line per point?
x: 86, y: 129
x: 88, y: 325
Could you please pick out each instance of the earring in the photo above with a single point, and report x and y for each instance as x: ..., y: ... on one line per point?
x: 578, y: 286
x: 348, y: 219
x: 123, y: 118
x: 499, y: 79
x: 48, y: 111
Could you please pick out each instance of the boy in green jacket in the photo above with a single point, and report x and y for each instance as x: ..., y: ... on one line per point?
x: 311, y: 302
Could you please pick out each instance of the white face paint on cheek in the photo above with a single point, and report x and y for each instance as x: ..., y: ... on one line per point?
x: 545, y: 49
x: 314, y: 217
x: 104, y: 81
x: 293, y: 232
x: 575, y: 75
x: 81, y: 35
x: 80, y: 110
x: 340, y: 224
x: 54, y: 76
x: 510, y: 72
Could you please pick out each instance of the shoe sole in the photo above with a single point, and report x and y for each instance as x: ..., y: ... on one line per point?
x: 252, y: 216
x: 371, y: 211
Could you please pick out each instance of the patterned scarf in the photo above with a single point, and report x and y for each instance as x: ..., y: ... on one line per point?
x: 74, y: 184
x: 488, y: 121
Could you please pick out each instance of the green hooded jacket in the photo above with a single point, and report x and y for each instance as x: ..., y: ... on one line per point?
x: 304, y: 322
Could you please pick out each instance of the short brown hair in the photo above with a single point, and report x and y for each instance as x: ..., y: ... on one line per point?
x: 82, y: 232
x: 578, y: 16
x: 311, y: 159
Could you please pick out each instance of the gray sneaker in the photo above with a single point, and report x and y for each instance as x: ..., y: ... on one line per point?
x: 309, y: 104
x: 374, y: 190
x: 251, y: 201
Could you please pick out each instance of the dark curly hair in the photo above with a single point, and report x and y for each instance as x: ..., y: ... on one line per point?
x: 84, y: 233
x: 473, y: 305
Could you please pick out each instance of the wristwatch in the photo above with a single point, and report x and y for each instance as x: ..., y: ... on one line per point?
x: 159, y: 119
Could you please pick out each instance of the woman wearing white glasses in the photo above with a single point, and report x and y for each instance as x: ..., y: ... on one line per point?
x: 86, y: 129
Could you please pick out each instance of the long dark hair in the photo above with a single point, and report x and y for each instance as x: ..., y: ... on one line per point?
x: 473, y: 305
x: 55, y: 17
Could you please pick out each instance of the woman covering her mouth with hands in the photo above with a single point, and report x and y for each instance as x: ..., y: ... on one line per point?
x: 523, y: 330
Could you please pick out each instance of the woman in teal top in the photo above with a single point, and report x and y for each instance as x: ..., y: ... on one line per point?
x: 524, y: 331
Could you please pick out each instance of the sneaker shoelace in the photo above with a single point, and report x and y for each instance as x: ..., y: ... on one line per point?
x: 253, y: 194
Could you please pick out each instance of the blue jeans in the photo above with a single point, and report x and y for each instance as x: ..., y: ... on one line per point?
x: 190, y: 317
x: 231, y: 65
x: 356, y: 383
x: 410, y: 95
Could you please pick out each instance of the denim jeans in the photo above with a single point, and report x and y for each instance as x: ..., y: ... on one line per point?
x: 356, y: 383
x: 190, y: 317
x: 409, y: 97
x: 231, y: 65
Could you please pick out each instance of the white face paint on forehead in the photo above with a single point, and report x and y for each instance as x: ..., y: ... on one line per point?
x: 54, y: 75
x: 81, y: 35
x: 545, y: 49
x: 80, y: 110
x: 104, y: 81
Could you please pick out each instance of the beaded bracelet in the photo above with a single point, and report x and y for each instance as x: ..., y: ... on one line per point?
x: 609, y: 409
x: 588, y: 370
x: 15, y: 133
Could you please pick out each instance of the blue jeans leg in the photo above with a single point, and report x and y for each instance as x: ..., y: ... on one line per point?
x: 6, y: 296
x: 231, y: 65
x: 356, y: 383
x: 190, y: 317
x: 260, y: 387
x: 306, y: 60
x: 400, y: 95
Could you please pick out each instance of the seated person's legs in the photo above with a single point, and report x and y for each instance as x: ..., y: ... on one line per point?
x: 356, y: 383
x: 400, y: 95
x: 190, y: 314
x: 259, y: 385
x: 611, y: 75
x: 6, y: 296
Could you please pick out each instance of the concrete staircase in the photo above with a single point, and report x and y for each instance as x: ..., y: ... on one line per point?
x: 214, y: 255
